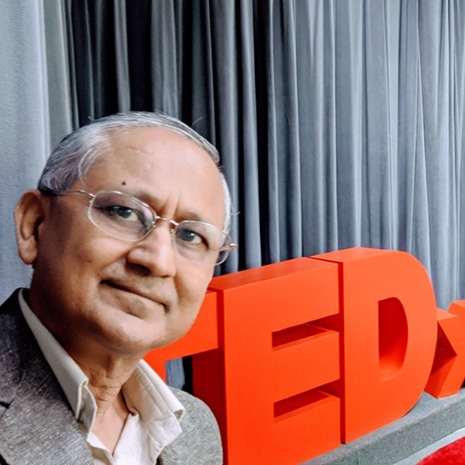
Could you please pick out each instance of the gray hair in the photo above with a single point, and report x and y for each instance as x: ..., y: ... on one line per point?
x: 77, y: 152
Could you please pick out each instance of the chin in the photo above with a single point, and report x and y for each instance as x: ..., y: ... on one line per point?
x: 129, y: 337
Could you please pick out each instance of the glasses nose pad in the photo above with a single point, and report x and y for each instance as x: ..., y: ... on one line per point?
x: 158, y: 220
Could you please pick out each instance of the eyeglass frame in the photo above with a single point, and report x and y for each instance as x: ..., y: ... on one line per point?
x: 156, y: 218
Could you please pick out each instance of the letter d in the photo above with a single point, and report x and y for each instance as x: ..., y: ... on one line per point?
x: 389, y: 332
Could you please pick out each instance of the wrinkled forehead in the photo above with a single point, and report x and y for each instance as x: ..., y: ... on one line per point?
x: 150, y: 135
x: 159, y: 163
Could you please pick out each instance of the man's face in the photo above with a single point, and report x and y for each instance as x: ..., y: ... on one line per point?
x: 90, y: 288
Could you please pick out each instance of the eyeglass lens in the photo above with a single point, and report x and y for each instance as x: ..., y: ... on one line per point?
x: 126, y: 217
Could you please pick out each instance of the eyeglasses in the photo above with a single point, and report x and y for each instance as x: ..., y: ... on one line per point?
x: 125, y: 217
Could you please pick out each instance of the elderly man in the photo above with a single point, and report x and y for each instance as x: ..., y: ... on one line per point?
x: 123, y: 233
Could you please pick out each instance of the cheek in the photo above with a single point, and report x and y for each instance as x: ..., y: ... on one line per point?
x: 191, y: 287
x: 76, y: 261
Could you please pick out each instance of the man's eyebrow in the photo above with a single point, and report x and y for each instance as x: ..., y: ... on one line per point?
x: 190, y: 215
x: 153, y: 200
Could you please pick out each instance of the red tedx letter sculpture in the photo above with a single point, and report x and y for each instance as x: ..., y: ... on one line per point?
x: 278, y: 356
x: 295, y: 357
x: 389, y: 315
x: 448, y: 370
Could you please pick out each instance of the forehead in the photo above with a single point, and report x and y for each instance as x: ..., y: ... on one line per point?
x: 163, y: 168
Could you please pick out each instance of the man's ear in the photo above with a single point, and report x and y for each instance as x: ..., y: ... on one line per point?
x: 29, y: 215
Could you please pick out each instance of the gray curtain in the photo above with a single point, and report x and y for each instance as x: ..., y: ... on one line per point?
x: 35, y: 112
x: 340, y: 122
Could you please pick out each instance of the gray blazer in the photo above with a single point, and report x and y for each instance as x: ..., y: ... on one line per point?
x: 37, y: 425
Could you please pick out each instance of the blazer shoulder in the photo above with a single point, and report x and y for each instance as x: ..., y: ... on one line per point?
x: 200, y: 440
x: 14, y: 340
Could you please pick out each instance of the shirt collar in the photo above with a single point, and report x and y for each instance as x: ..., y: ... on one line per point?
x: 160, y: 410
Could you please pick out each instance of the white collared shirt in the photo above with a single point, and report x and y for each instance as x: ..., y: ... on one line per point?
x: 155, y: 411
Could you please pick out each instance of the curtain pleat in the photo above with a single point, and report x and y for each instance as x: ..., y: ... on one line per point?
x: 164, y: 63
x: 35, y: 109
x: 123, y: 93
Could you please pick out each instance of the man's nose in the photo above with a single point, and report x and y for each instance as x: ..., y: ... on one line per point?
x: 156, y: 252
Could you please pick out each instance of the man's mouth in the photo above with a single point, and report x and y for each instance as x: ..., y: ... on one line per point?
x: 134, y: 290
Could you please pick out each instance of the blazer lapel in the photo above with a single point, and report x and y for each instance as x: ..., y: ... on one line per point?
x: 37, y: 425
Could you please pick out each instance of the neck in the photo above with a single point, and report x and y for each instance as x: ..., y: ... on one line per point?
x: 112, y: 413
x: 107, y: 376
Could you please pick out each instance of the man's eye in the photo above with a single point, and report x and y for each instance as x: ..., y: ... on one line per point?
x: 123, y: 212
x: 119, y: 212
x: 189, y: 237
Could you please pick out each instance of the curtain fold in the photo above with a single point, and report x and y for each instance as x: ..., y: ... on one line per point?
x: 34, y: 96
